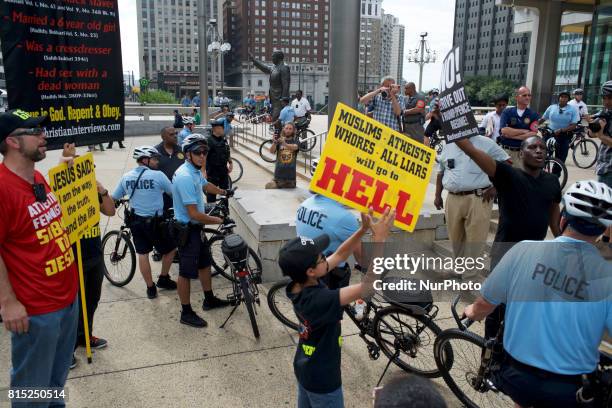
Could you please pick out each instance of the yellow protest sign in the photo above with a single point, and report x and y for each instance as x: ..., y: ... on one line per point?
x: 366, y: 164
x: 76, y: 190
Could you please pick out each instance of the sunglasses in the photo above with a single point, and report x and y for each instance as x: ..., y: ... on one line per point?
x: 200, y: 152
x: 40, y: 193
x: 30, y: 132
x: 320, y: 261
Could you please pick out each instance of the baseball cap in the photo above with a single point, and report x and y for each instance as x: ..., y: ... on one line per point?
x: 301, y: 253
x: 15, y: 119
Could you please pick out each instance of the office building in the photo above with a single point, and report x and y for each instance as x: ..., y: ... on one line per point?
x: 484, y: 31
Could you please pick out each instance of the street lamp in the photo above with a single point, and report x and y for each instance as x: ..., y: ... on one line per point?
x: 216, y: 49
x: 422, y: 55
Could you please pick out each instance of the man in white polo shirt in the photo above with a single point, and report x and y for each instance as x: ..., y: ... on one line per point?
x: 300, y: 105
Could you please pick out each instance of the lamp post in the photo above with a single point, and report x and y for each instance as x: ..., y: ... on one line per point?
x: 216, y: 49
x: 203, y: 62
x: 421, y: 56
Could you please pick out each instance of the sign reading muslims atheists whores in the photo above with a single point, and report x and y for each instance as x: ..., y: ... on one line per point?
x: 367, y: 165
x: 62, y: 58
x: 458, y: 121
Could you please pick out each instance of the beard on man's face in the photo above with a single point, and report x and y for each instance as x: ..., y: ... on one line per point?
x: 33, y: 154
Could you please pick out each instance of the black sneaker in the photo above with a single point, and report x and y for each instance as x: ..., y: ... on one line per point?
x: 164, y: 282
x: 214, y: 303
x: 73, y: 363
x: 152, y: 292
x: 192, y: 319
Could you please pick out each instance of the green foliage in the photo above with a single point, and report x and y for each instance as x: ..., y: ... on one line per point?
x: 157, y: 96
x: 481, y: 90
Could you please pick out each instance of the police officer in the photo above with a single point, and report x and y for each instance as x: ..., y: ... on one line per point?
x: 319, y: 215
x: 145, y: 186
x: 563, y: 119
x: 413, y: 115
x: 219, y: 160
x: 194, y: 253
x: 187, y: 129
x: 170, y: 159
x: 518, y: 123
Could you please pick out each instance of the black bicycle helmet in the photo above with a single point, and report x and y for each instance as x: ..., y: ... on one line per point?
x: 606, y: 89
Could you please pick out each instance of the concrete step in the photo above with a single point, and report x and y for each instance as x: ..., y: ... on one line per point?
x: 445, y: 248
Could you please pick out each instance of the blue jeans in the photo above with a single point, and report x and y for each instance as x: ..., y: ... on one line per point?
x: 307, y: 399
x: 42, y: 356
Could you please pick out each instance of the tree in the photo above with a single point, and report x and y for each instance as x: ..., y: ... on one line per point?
x: 481, y: 90
x: 157, y: 96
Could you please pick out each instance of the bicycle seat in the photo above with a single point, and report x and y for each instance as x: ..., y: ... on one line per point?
x: 419, y: 298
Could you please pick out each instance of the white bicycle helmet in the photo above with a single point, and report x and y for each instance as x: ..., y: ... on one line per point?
x: 187, y: 120
x: 142, y: 152
x: 591, y: 201
x: 193, y: 140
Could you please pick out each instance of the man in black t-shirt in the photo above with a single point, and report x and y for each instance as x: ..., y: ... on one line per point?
x: 319, y: 309
x: 171, y: 158
x: 528, y: 202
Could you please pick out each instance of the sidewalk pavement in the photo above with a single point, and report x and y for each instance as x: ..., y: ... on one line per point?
x: 153, y: 360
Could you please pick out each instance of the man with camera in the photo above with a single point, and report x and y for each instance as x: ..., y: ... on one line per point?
x: 386, y: 103
x: 601, y: 128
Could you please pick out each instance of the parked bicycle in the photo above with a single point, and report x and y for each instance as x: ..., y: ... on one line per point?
x: 400, y: 323
x: 584, y: 150
x: 306, y: 141
x: 552, y: 164
x: 237, y: 171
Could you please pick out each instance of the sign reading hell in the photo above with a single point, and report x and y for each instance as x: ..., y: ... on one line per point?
x: 77, y: 192
x: 366, y: 164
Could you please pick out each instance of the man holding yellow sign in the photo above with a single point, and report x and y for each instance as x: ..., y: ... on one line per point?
x: 38, y: 275
x: 365, y: 164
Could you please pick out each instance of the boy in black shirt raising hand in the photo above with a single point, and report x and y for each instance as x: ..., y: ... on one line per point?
x: 319, y: 309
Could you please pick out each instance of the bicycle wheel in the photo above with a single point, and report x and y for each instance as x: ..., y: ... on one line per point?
x: 119, y: 257
x: 264, y: 151
x: 220, y: 265
x: 585, y: 153
x: 281, y: 306
x: 414, y: 336
x: 237, y: 171
x: 249, y: 301
x: 467, y: 350
x: 556, y: 167
x: 309, y: 144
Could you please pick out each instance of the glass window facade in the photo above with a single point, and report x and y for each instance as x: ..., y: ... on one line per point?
x: 597, y: 67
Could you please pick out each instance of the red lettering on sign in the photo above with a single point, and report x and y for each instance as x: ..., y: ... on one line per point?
x: 328, y: 175
x: 381, y: 189
x: 402, y: 200
x: 357, y: 187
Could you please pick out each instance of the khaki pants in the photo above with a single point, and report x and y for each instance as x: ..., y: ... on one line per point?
x: 467, y: 219
x: 517, y: 163
x: 277, y: 184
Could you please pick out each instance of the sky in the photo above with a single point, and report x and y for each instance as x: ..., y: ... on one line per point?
x: 435, y: 17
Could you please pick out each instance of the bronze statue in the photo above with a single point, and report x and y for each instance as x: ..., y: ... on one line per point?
x: 280, y: 78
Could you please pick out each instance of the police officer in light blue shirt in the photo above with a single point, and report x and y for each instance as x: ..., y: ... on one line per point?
x: 145, y: 187
x: 188, y: 186
x: 319, y: 215
x: 563, y: 119
x: 186, y: 131
x: 287, y: 113
x: 558, y: 297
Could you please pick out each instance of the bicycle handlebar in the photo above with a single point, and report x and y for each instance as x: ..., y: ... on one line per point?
x: 463, y: 323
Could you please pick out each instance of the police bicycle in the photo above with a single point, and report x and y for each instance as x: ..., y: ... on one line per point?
x: 475, y: 360
x: 401, y: 324
x: 584, y: 150
x: 305, y: 137
x: 470, y: 375
x: 552, y: 164
x: 235, y: 260
x: 118, y: 250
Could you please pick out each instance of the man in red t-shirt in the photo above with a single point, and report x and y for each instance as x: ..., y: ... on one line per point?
x: 38, y: 275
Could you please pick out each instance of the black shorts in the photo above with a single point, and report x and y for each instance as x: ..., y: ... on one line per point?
x: 195, y: 255
x: 147, y: 236
x: 219, y: 180
x: 530, y: 386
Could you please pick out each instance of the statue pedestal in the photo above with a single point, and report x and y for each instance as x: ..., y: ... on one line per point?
x: 266, y: 220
